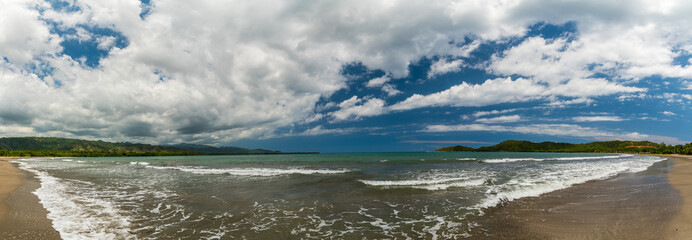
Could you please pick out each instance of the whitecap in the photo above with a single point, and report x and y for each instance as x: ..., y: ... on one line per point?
x: 251, y: 171
x: 427, y: 184
x: 77, y: 215
x: 534, y: 182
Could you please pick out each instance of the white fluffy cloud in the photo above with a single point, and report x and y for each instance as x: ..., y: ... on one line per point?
x: 562, y: 104
x: 382, y: 83
x: 378, y: 82
x: 503, y: 90
x: 350, y: 110
x: 560, y: 130
x: 687, y: 85
x: 490, y: 92
x: 542, y: 129
x: 627, y: 40
x: 216, y: 71
x: 442, y: 66
x: 219, y: 70
x: 598, y: 119
x: 23, y: 36
x: 500, y: 119
x: 493, y: 112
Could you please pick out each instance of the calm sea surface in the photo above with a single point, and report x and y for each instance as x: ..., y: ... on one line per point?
x: 341, y: 196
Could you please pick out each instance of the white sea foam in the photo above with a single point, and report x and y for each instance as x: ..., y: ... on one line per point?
x: 508, y: 160
x: 532, y: 182
x: 441, y: 183
x: 595, y: 157
x: 140, y: 163
x: 466, y: 159
x: 76, y: 214
x: 262, y: 172
x: 410, y: 182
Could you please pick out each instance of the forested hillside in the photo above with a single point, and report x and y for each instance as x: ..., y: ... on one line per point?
x: 603, y: 147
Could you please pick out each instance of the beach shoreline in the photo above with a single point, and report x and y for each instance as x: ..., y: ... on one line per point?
x: 10, y: 179
x: 680, y: 227
x: 653, y: 204
x: 642, y: 205
x: 22, y: 216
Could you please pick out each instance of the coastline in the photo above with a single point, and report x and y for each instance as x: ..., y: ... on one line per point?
x: 10, y: 179
x: 680, y: 227
x: 643, y: 205
x: 652, y: 204
x: 22, y: 216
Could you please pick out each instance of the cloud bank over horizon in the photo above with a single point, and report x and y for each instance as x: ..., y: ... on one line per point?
x: 215, y: 72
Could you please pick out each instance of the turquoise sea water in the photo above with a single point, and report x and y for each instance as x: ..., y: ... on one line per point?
x: 371, y: 195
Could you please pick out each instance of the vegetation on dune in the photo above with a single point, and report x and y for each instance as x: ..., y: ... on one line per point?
x: 592, y: 147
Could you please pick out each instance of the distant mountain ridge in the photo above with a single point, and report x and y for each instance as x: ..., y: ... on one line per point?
x: 221, y: 150
x: 526, y: 146
x: 67, y: 144
x: 53, y: 146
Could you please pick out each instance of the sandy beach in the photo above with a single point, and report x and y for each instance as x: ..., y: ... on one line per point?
x: 10, y: 179
x: 681, y: 179
x: 21, y: 214
x: 644, y: 205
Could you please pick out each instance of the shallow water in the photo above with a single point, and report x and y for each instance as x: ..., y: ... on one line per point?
x: 374, y: 195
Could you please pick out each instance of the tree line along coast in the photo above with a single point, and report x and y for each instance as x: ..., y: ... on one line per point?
x: 592, y: 147
x: 65, y: 147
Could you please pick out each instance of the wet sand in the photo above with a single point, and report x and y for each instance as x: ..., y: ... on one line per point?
x: 629, y: 206
x: 10, y: 179
x: 21, y: 214
x: 681, y: 179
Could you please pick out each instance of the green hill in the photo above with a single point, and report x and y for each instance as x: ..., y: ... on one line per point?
x: 525, y: 146
x: 66, y: 144
x: 63, y: 147
x: 457, y: 148
x: 221, y: 150
x: 605, y: 147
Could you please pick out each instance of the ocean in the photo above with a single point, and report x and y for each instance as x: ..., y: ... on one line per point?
x: 314, y: 196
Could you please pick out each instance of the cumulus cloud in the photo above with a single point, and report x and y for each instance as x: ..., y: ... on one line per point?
x: 382, y: 83
x: 562, y: 104
x: 501, y: 119
x: 626, y: 40
x: 687, y: 85
x: 24, y: 35
x: 564, y: 130
x: 494, y: 112
x: 350, y: 110
x: 442, y: 66
x: 598, y: 119
x: 239, y: 70
x: 318, y: 130
x: 216, y: 71
x: 490, y: 92
x: 390, y: 90
x: 503, y: 90
x: 378, y: 82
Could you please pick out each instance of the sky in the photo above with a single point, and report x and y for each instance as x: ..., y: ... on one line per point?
x: 346, y: 76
